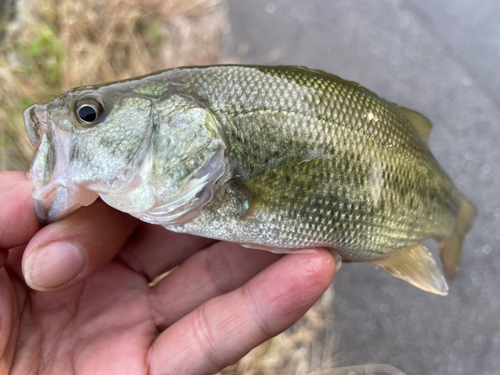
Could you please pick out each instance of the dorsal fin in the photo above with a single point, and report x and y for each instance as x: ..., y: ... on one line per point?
x: 419, y: 122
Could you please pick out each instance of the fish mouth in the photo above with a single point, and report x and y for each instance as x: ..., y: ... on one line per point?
x: 55, y: 194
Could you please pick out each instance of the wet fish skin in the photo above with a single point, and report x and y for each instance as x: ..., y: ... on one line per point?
x: 308, y: 160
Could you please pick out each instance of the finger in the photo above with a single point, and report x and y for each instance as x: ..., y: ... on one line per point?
x: 9, y: 324
x: 3, y: 256
x: 153, y: 250
x: 14, y: 261
x: 227, y: 327
x: 66, y: 252
x: 18, y: 222
x: 216, y: 270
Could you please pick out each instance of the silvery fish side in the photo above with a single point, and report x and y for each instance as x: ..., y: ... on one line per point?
x: 280, y: 158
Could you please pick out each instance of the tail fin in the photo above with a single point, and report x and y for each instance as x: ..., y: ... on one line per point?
x: 450, y: 249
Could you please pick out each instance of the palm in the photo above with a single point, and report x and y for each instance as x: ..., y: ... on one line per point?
x: 85, y: 326
x: 219, y: 303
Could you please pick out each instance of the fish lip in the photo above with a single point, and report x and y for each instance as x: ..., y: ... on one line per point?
x: 57, y: 201
x: 41, y: 212
x: 35, y: 119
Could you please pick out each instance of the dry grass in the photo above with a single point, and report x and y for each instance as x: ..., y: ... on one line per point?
x: 59, y: 44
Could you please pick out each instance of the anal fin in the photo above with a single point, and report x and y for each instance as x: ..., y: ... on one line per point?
x: 415, y: 265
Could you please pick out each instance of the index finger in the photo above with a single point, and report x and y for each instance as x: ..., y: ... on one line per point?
x: 224, y: 329
x: 18, y: 222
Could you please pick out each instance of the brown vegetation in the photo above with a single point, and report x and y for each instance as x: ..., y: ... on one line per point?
x: 56, y: 45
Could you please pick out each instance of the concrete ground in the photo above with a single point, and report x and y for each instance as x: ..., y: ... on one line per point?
x: 439, y: 58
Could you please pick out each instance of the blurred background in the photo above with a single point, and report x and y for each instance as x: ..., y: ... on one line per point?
x: 439, y: 58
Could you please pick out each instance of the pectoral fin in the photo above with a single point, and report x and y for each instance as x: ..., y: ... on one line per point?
x: 415, y: 265
x: 419, y: 122
x: 283, y: 186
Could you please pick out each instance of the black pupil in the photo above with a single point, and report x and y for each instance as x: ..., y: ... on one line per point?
x: 87, y: 113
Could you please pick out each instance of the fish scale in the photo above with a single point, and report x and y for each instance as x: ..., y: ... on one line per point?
x: 322, y: 113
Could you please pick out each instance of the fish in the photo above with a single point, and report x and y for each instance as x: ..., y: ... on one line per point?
x: 279, y: 158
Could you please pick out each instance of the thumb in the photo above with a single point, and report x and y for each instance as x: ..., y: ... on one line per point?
x: 66, y: 252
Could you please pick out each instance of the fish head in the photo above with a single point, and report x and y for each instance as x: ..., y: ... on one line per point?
x: 156, y: 158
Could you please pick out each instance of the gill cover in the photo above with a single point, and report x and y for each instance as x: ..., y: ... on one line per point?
x: 185, y: 159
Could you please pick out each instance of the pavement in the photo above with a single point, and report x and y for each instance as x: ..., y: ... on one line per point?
x: 441, y: 59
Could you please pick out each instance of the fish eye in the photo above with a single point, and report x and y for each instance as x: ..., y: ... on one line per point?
x: 88, y: 111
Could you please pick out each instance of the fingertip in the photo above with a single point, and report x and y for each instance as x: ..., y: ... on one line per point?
x: 319, y: 268
x: 311, y: 273
x: 52, y: 266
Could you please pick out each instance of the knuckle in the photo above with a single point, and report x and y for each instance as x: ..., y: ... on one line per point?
x: 203, y: 337
x: 219, y: 270
x: 254, y: 307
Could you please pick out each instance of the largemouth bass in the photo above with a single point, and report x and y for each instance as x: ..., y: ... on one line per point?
x: 277, y: 158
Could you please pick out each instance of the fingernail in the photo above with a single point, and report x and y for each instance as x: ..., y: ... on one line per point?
x: 53, y: 265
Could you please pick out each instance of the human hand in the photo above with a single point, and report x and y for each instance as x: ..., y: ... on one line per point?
x: 102, y: 317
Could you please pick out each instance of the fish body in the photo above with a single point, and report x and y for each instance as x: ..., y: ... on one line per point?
x: 279, y: 158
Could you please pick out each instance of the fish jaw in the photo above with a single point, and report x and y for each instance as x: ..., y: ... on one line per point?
x: 58, y: 201
x: 54, y: 193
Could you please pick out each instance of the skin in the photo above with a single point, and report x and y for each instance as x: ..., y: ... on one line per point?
x: 221, y: 302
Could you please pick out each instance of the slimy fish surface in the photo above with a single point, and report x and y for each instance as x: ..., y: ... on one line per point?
x: 277, y: 158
